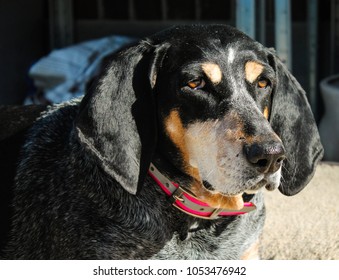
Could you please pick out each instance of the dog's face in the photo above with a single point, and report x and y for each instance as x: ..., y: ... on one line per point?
x: 218, y: 105
x: 214, y: 102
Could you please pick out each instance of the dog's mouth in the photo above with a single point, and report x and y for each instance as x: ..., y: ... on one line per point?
x: 266, y: 183
x: 222, y: 198
x: 262, y: 184
x: 208, y: 186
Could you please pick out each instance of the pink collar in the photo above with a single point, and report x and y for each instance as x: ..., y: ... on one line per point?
x: 186, y: 202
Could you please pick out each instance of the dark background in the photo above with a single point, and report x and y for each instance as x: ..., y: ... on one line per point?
x: 25, y: 31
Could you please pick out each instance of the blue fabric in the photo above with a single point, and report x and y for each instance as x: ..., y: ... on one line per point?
x: 64, y: 73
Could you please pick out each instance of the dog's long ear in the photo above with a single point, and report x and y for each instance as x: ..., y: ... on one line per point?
x: 292, y: 119
x: 117, y: 120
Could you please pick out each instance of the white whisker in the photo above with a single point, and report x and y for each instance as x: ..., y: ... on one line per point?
x: 209, y: 173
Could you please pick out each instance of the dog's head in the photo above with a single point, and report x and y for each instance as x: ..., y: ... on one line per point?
x: 218, y: 105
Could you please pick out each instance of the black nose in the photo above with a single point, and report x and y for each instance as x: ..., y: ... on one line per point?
x: 266, y: 157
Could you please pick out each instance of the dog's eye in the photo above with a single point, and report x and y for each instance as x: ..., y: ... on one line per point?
x: 263, y: 83
x: 196, y: 84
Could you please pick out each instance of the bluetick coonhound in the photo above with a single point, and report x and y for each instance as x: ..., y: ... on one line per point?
x: 167, y: 156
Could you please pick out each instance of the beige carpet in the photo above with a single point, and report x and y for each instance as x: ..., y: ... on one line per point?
x: 305, y: 226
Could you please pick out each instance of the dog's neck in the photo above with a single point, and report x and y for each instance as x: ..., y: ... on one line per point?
x: 183, y: 199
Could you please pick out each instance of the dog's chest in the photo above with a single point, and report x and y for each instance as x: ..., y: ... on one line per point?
x: 227, y: 239
x: 205, y: 244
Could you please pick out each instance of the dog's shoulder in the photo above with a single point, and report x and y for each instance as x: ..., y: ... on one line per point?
x: 46, y: 142
x: 60, y: 185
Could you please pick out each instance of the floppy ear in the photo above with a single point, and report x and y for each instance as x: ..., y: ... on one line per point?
x: 292, y: 119
x: 117, y: 122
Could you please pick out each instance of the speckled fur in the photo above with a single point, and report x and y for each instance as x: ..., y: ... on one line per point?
x: 82, y: 190
x: 71, y: 215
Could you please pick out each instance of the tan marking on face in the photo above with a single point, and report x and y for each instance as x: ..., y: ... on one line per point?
x: 177, y: 132
x: 266, y: 112
x: 253, y: 70
x: 213, y: 72
x: 178, y: 135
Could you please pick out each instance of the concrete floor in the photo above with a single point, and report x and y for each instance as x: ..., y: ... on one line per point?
x: 305, y: 226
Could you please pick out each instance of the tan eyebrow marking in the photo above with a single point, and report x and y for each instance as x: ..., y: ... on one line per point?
x: 213, y: 72
x: 253, y: 70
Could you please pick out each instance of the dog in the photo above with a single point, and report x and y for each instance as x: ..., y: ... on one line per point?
x: 167, y: 156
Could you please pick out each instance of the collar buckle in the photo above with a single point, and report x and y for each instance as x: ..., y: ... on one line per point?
x: 177, y: 195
